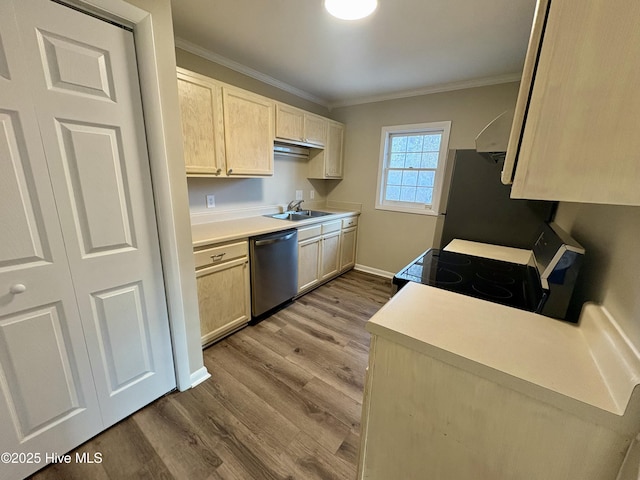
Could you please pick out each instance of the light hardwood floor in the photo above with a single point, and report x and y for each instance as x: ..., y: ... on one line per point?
x: 284, y: 401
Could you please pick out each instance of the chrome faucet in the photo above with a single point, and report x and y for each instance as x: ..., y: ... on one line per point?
x: 294, y: 205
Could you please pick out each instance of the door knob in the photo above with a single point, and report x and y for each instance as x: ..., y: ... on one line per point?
x: 17, y: 288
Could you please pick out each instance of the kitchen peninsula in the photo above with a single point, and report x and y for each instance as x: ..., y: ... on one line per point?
x: 495, y: 392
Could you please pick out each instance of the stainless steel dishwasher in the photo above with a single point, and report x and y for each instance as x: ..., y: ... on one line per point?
x: 274, y: 270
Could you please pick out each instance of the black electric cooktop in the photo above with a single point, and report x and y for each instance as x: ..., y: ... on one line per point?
x: 506, y: 283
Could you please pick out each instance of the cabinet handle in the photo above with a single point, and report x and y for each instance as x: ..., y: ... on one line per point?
x: 218, y: 257
x: 17, y: 288
x: 230, y: 171
x: 219, y: 171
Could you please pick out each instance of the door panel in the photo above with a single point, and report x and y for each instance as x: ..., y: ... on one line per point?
x: 75, y: 67
x: 4, y: 67
x: 47, y: 395
x: 21, y: 238
x: 90, y: 118
x: 45, y: 331
x: 123, y: 333
x: 102, y: 210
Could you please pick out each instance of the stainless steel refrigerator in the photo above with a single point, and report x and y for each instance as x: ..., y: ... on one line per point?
x: 479, y: 208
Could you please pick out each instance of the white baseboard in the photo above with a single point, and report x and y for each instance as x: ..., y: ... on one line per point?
x: 199, y: 376
x: 373, y: 271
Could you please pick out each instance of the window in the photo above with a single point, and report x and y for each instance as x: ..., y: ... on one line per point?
x: 412, y: 166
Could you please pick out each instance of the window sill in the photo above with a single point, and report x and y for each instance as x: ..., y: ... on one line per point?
x: 398, y: 208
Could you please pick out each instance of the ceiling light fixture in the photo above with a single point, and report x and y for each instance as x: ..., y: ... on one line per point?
x: 350, y: 9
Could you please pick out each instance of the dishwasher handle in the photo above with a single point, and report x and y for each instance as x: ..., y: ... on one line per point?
x: 259, y: 243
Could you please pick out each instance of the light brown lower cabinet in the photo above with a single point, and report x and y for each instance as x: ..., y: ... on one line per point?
x: 309, y: 241
x: 348, y: 243
x: 325, y: 250
x: 222, y: 275
x: 348, y: 248
x: 330, y: 254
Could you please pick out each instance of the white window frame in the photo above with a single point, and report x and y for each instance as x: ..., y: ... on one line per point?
x: 438, y: 188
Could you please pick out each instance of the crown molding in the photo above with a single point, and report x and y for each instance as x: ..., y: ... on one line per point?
x: 441, y: 88
x: 249, y: 72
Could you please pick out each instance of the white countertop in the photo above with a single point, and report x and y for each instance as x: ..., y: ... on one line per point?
x: 487, y: 250
x: 226, y: 230
x: 561, y: 357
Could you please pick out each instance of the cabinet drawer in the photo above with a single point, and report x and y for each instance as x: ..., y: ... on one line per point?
x: 331, y: 226
x: 223, y: 253
x: 349, y: 222
x: 309, y: 232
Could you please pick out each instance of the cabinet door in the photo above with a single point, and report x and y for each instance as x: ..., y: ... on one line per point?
x: 308, y: 263
x: 333, y: 152
x: 315, y: 129
x: 330, y: 256
x: 289, y: 123
x: 48, y: 399
x: 223, y: 298
x: 202, y: 127
x: 348, y: 248
x: 248, y: 132
x: 580, y: 140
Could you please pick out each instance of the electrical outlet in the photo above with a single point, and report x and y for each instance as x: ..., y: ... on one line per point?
x: 312, y: 194
x: 211, y: 201
x: 298, y: 194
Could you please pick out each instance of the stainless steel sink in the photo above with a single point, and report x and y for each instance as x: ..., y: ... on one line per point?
x: 313, y: 213
x: 288, y: 216
x: 301, y: 215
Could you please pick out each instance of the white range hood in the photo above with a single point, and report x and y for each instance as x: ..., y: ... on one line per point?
x: 492, y: 141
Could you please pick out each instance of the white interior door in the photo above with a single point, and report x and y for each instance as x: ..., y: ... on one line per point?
x: 85, y: 88
x: 47, y: 396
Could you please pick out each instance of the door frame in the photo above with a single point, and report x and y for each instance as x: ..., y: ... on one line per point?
x: 155, y: 51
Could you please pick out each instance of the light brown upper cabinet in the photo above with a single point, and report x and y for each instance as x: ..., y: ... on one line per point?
x: 574, y: 136
x: 248, y: 132
x: 202, y: 124
x: 293, y: 124
x: 226, y: 131
x: 328, y: 162
x: 289, y: 123
x: 315, y: 129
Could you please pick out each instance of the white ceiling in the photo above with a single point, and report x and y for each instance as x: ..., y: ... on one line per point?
x: 406, y: 47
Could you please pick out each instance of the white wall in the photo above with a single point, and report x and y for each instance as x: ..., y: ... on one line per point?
x: 239, y: 193
x: 611, y: 270
x: 388, y: 241
x: 203, y: 66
